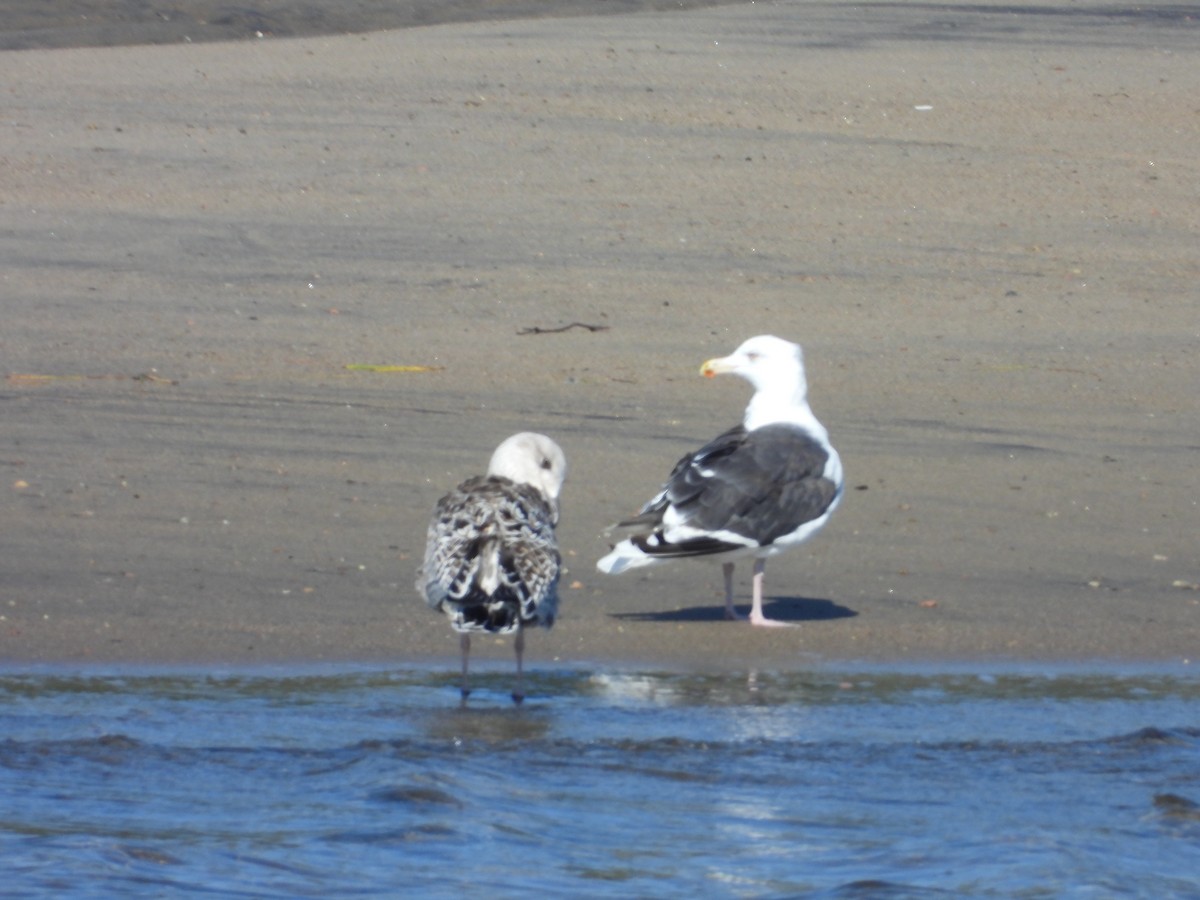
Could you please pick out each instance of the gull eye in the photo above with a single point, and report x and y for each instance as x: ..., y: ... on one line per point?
x: 546, y: 464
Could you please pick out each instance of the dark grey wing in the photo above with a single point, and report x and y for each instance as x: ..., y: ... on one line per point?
x: 743, y: 487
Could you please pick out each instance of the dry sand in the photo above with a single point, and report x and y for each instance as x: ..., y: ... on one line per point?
x: 982, y: 223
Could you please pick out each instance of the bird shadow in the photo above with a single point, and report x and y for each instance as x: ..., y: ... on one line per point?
x: 784, y: 609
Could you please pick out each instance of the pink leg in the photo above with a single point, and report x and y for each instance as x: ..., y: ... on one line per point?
x: 464, y: 642
x: 730, y: 613
x: 519, y: 645
x: 756, y: 613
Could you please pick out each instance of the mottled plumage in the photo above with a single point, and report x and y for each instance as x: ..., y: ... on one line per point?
x: 491, y: 558
x: 756, y: 490
x: 491, y: 562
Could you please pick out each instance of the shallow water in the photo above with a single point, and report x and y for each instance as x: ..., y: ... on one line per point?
x: 828, y: 783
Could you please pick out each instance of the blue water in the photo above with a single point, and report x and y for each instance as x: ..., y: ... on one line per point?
x: 854, y: 783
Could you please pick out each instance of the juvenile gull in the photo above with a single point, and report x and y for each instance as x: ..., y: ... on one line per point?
x: 491, y: 558
x: 756, y: 490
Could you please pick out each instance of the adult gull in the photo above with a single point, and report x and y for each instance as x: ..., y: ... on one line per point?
x: 760, y: 488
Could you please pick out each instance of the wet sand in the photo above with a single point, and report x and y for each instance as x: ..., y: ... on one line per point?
x: 34, y: 24
x: 983, y: 224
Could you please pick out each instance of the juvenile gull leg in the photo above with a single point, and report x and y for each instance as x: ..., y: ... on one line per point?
x: 519, y: 645
x: 464, y: 642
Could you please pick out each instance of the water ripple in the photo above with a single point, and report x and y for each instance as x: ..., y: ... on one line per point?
x: 806, y: 784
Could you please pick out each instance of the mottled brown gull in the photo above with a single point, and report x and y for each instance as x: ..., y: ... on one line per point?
x: 491, y: 557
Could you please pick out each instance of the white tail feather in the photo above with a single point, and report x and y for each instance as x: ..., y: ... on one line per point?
x: 624, y: 556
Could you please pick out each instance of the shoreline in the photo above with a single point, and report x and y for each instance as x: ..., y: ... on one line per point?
x: 499, y: 668
x: 992, y: 280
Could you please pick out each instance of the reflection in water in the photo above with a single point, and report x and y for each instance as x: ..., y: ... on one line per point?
x: 496, y: 725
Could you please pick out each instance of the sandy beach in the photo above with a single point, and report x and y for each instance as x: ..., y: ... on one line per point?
x: 266, y: 299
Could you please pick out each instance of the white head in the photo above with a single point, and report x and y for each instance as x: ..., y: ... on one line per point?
x: 534, y: 459
x: 767, y: 362
x: 775, y: 368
